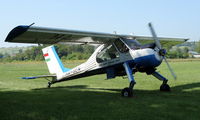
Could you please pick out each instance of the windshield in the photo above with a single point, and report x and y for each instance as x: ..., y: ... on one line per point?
x: 121, y: 46
x: 133, y: 44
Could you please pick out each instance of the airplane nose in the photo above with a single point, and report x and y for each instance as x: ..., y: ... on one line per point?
x: 148, y: 59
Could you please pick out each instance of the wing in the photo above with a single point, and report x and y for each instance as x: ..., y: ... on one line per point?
x: 42, y: 35
x: 165, y: 42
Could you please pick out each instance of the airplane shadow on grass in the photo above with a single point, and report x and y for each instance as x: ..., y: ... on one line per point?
x: 81, y: 102
x: 176, y: 89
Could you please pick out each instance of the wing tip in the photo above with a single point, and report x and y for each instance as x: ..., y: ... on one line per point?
x: 15, y: 32
x: 186, y: 39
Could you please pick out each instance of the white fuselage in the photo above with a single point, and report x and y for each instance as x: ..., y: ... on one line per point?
x: 92, y: 64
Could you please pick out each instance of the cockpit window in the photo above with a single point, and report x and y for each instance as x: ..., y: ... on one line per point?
x: 121, y: 46
x: 133, y: 44
x: 108, y: 53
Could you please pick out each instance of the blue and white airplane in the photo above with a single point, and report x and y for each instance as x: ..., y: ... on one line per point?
x: 117, y: 55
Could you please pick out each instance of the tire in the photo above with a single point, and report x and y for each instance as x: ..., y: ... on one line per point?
x: 165, y: 87
x: 126, y: 92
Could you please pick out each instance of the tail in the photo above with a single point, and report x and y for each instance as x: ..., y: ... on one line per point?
x: 53, y: 61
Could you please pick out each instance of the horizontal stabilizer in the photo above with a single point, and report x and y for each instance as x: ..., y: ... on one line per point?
x: 29, y: 77
x: 41, y: 76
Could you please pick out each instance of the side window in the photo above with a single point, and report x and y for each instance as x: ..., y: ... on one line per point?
x: 108, y: 53
x: 121, y: 46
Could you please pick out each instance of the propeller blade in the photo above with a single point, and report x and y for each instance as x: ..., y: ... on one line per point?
x: 158, y: 45
x: 157, y: 41
x: 170, y: 69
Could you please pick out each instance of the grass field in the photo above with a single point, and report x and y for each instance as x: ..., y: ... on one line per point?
x: 96, y: 98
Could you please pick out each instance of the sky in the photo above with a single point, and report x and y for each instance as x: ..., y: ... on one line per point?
x: 170, y: 18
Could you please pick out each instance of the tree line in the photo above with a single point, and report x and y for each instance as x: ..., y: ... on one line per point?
x: 65, y: 52
x: 82, y: 52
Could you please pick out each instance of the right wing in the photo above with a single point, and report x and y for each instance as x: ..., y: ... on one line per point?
x: 165, y: 42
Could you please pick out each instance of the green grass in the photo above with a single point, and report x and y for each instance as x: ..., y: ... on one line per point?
x: 96, y: 98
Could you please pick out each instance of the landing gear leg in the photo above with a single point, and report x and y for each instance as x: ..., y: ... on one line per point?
x: 52, y: 81
x: 128, y: 91
x: 164, y: 86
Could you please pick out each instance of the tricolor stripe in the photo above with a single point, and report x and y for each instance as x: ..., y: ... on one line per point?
x: 46, y: 55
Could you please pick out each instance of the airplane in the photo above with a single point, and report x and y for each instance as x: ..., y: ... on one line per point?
x: 116, y: 55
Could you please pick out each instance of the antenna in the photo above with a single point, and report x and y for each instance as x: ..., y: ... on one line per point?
x: 31, y: 24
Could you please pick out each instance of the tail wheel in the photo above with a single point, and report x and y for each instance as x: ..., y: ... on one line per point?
x: 49, y: 84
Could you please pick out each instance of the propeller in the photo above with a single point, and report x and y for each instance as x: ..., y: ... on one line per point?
x: 161, y: 51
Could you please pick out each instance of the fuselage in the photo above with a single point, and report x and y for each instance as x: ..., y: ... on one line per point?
x: 140, y: 60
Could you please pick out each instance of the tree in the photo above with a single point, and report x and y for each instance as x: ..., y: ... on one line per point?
x: 69, y: 52
x: 197, y: 46
x: 1, y: 55
x: 178, y: 52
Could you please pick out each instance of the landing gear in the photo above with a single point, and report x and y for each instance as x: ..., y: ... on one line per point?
x: 49, y: 84
x: 128, y: 91
x: 165, y: 87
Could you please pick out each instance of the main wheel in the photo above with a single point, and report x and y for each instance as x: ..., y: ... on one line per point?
x: 165, y: 87
x: 127, y: 92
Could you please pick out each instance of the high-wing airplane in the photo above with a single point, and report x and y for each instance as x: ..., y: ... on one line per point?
x: 117, y: 55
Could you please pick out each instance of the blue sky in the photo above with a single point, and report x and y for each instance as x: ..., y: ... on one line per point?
x: 171, y: 18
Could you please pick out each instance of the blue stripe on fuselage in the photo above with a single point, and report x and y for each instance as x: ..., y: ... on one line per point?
x: 147, y: 61
x: 59, y: 61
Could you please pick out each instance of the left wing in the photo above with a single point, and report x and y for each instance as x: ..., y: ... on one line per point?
x: 42, y: 35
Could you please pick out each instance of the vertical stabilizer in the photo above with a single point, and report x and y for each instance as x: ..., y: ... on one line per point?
x: 53, y: 61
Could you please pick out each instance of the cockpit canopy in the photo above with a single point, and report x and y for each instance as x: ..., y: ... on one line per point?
x: 112, y: 51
